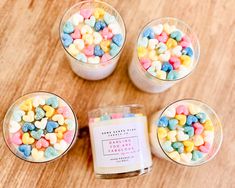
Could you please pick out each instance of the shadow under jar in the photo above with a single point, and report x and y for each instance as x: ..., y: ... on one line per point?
x: 94, y: 67
x: 119, y: 140
x: 166, y: 52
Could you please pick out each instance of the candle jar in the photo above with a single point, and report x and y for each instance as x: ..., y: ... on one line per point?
x: 93, y: 67
x: 187, y: 132
x: 160, y: 58
x: 119, y: 140
x: 40, y: 127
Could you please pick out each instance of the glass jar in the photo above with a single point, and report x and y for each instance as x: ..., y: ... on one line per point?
x: 40, y: 127
x: 145, y: 81
x: 92, y: 71
x: 119, y: 140
x: 166, y: 146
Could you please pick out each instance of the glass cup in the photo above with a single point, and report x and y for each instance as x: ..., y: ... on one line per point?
x: 119, y: 140
x: 87, y: 70
x: 157, y: 147
x: 13, y: 135
x: 145, y: 81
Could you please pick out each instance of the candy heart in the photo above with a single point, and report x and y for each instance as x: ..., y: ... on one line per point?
x: 182, y: 109
x: 17, y: 115
x: 42, y: 143
x: 49, y: 110
x: 181, y: 118
x: 86, y: 29
x: 51, y: 125
x: 97, y: 38
x: 99, y: 13
x: 115, y: 28
x: 198, y: 128
x: 90, y: 21
x: 76, y: 34
x: 25, y: 149
x: 163, y: 37
x: 153, y: 55
x: 161, y: 132
x: 14, y: 126
x: 175, y: 156
x: 39, y: 113
x: 151, y: 70
x: 116, y: 116
x: 98, y: 51
x: 168, y: 29
x: 185, y: 42
x: 171, y: 136
x: 158, y: 29
x: 16, y: 138
x: 68, y: 27
x: 50, y: 152
x: 191, y: 119
x: 37, y: 155
x: 64, y: 110
x: 177, y: 51
x: 186, y: 157
x: 114, y: 49
x: 53, y: 102
x: 152, y: 44
x: 170, y: 112
x: 198, y: 140
x: 108, y: 18
x: 172, y: 124
x: 68, y: 136
x: 193, y: 109
x: 60, y: 131
x: 79, y: 43
x: 81, y: 57
x: 66, y: 39
x: 145, y: 62
x: 29, y: 117
x: 143, y: 42
x: 141, y: 51
x: 208, y: 136
x: 26, y: 139
x: 208, y: 125
x: 86, y: 13
x: 88, y: 39
x: 189, y: 130
x: 37, y: 134
x: 201, y: 117
x: 106, y: 57
x: 205, y: 148
x: 107, y: 33
x: 41, y: 124
x: 173, y: 75
x: 177, y: 35
x: 178, y: 146
x: 171, y: 43
x: 99, y: 25
x: 26, y: 105
x: 76, y: 19
x: 28, y: 127
x: 62, y: 146
x: 157, y: 65
x: 89, y: 50
x: 149, y: 33
x: 189, y: 146
x: 161, y: 74
x: 161, y: 48
x: 185, y: 60
x: 163, y: 122
x: 117, y: 39
x: 175, y: 62
x: 167, y: 146
x: 196, y: 155
x: 70, y: 124
x: 165, y: 56
x: 38, y: 101
x: 51, y: 137
x: 59, y: 118
x: 181, y: 136
x: 94, y: 60
x: 187, y: 51
x: 167, y: 67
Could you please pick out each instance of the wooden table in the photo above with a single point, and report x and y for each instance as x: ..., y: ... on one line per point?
x: 33, y: 59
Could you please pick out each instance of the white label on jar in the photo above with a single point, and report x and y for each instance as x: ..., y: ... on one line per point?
x: 121, y: 142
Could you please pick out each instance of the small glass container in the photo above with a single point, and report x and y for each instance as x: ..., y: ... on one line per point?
x: 166, y: 140
x: 40, y: 127
x: 119, y: 140
x: 146, y: 81
x: 92, y: 71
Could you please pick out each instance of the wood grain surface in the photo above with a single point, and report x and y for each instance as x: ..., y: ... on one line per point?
x: 32, y: 59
